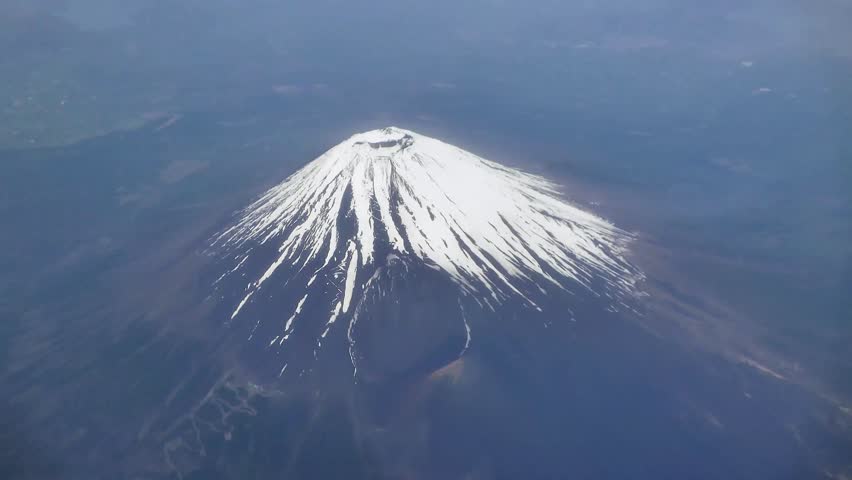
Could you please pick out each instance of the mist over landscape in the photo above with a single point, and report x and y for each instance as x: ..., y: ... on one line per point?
x: 712, y: 138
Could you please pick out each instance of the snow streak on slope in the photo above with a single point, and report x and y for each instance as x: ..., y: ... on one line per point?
x: 497, y: 232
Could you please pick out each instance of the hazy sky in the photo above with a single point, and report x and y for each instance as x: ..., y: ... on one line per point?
x: 121, y: 61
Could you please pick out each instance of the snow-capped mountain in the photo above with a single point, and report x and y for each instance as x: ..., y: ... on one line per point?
x: 344, y: 230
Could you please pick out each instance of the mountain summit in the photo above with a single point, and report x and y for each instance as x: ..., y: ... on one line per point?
x: 389, y: 200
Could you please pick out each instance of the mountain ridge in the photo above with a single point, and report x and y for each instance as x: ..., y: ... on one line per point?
x: 391, y: 195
